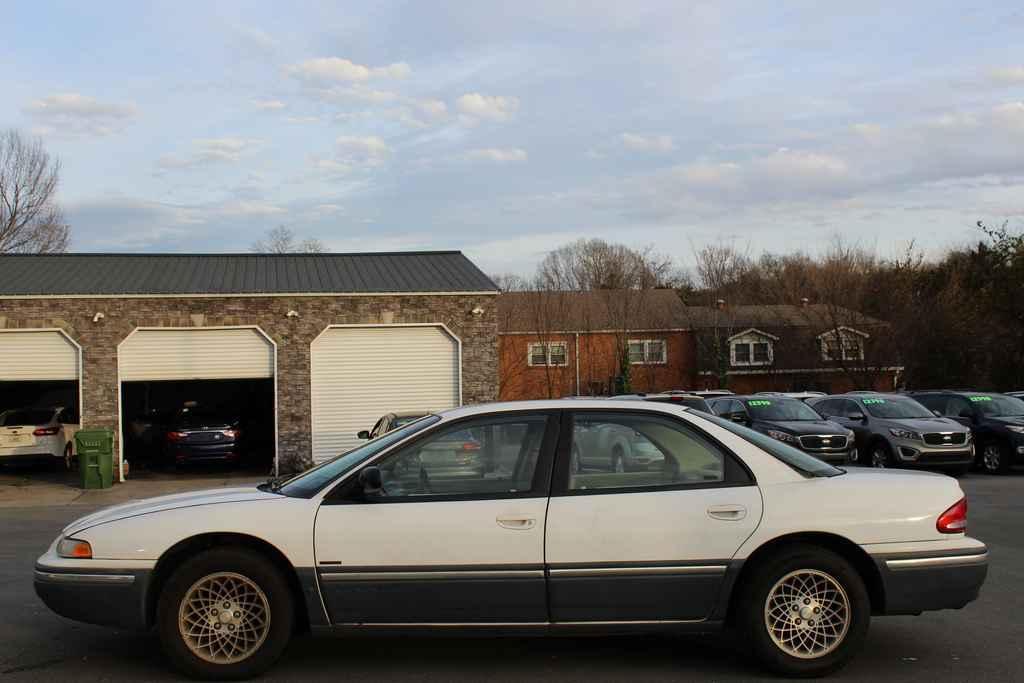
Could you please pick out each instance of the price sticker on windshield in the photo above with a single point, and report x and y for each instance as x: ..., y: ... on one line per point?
x: 759, y: 403
x: 873, y: 401
x: 976, y: 399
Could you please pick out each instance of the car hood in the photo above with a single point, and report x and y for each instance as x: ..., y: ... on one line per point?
x: 927, y: 424
x: 1010, y: 420
x: 804, y: 427
x: 172, y: 502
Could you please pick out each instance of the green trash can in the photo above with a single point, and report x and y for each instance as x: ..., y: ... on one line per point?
x: 95, y: 448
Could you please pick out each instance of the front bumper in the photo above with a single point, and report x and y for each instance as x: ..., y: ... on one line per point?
x: 106, y: 593
x: 844, y: 457
x: 912, y: 453
x: 916, y: 582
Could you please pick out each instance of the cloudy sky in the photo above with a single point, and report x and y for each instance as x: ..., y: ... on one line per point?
x: 506, y: 129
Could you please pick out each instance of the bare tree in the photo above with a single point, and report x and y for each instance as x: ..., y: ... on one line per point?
x: 586, y: 265
x: 281, y: 240
x: 31, y: 221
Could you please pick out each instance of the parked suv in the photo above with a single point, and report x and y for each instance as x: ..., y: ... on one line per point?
x: 790, y: 420
x: 675, y: 397
x: 996, y: 420
x: 894, y: 430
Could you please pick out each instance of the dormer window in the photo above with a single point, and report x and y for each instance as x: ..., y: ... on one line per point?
x: 752, y: 347
x: 842, y: 343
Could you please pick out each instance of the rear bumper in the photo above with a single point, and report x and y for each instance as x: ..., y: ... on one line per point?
x: 203, y: 452
x: 924, y: 581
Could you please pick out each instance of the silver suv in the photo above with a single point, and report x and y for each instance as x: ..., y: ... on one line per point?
x: 896, y: 431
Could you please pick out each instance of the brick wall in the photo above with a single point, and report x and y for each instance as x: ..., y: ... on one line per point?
x: 598, y: 364
x: 292, y: 335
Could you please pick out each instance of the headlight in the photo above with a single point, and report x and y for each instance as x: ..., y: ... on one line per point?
x: 1015, y: 428
x: 72, y: 548
x: 783, y: 436
x: 905, y: 434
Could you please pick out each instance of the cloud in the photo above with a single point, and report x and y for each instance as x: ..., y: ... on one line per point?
x: 647, y: 143
x: 254, y: 39
x: 496, y: 155
x: 248, y: 207
x: 474, y: 107
x: 207, y: 151
x: 1008, y: 75
x: 269, y: 105
x: 432, y: 109
x: 73, y: 114
x: 338, y: 70
x: 370, y: 150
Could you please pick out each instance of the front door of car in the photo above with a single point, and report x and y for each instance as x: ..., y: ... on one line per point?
x: 446, y: 529
x: 653, y: 542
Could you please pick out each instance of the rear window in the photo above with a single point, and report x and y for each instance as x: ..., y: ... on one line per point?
x: 200, y: 418
x: 17, y: 418
x: 795, y: 458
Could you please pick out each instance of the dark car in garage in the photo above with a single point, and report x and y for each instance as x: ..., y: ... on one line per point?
x: 201, y: 435
x: 996, y: 420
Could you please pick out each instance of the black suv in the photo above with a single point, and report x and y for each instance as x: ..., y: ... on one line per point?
x: 997, y: 421
x: 791, y: 421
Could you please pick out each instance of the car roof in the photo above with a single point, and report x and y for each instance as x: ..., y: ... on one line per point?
x: 558, y: 404
x: 411, y: 413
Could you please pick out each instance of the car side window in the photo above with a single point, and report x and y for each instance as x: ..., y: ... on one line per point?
x: 626, y: 451
x: 957, y: 406
x: 825, y: 408
x: 489, y: 457
x: 378, y: 428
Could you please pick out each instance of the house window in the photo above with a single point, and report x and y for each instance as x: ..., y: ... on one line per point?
x: 547, y: 353
x: 746, y: 352
x: 647, y: 352
x: 842, y: 345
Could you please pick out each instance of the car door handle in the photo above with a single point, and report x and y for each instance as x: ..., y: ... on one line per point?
x: 516, y: 523
x: 728, y: 513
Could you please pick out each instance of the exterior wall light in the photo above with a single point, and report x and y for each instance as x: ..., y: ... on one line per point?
x: 98, y: 317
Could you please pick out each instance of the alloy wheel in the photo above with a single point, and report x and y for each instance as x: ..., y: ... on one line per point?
x: 224, y: 618
x: 992, y: 457
x: 807, y: 614
x: 879, y: 458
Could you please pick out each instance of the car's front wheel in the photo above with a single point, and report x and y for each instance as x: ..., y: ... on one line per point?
x: 805, y: 612
x: 225, y: 614
x: 994, y: 458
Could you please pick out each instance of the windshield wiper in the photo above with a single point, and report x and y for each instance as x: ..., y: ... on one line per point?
x: 273, y: 484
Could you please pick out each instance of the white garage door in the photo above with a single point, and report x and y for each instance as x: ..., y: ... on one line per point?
x: 196, y: 353
x: 359, y: 374
x: 37, y: 356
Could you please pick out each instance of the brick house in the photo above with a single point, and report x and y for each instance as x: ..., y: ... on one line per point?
x: 805, y: 347
x: 324, y: 343
x: 554, y: 344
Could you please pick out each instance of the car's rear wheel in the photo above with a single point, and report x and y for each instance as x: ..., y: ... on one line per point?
x: 994, y: 458
x: 225, y: 614
x: 69, y: 455
x: 805, y: 612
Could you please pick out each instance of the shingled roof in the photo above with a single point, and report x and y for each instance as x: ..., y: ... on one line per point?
x: 653, y: 309
x: 28, y: 275
x: 775, y: 315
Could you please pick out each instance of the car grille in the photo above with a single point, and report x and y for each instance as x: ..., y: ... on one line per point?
x: 945, y: 439
x: 823, y: 442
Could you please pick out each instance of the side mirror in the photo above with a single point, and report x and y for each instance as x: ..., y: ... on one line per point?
x: 967, y: 413
x: 938, y: 413
x: 855, y: 415
x: 739, y: 418
x: 363, y: 435
x: 371, y: 481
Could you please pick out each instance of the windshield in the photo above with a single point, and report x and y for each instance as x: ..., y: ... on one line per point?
x: 202, y: 418
x: 15, y: 418
x: 896, y: 408
x: 780, y: 410
x: 311, y: 481
x: 795, y: 458
x: 995, y: 405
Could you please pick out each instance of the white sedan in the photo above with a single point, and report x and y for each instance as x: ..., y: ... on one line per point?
x: 38, y: 434
x: 736, y: 529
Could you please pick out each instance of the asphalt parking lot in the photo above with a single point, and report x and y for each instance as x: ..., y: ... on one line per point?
x: 981, y: 642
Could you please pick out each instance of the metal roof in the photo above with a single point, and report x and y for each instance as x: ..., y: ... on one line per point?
x: 31, y: 275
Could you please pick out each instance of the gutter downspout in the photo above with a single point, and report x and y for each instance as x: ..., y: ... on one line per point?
x: 577, y: 363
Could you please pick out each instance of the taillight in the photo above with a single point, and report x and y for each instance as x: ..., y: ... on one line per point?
x: 176, y: 436
x: 46, y: 431
x: 954, y: 520
x: 470, y: 446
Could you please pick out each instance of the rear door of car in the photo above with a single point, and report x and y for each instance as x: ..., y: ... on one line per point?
x: 450, y: 537
x: 649, y: 544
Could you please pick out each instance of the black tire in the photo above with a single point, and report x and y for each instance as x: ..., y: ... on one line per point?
x: 751, y: 619
x: 69, y: 455
x: 879, y: 455
x: 995, y: 458
x: 250, y: 565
